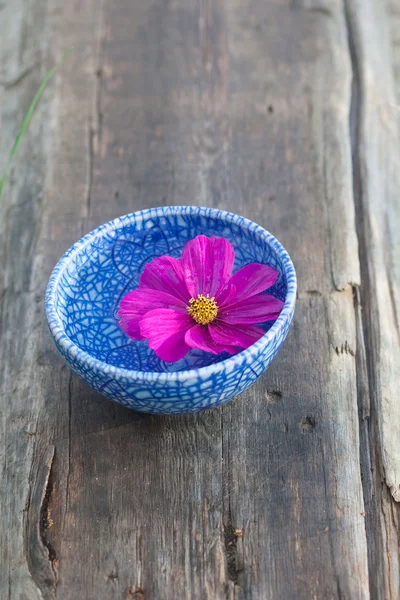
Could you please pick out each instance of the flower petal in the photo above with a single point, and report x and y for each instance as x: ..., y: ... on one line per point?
x: 137, y: 303
x: 257, y: 309
x: 144, y: 299
x: 165, y: 273
x: 252, y: 279
x: 225, y: 295
x: 207, y: 264
x: 130, y: 326
x: 165, y: 330
x: 223, y: 260
x: 223, y: 333
x: 199, y: 337
x: 196, y: 265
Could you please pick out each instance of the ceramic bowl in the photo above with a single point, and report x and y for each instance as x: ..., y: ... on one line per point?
x: 86, y: 287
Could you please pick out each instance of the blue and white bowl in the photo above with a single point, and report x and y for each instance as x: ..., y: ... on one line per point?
x: 86, y: 287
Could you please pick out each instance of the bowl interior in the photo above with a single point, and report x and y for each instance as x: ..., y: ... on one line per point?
x: 109, y: 265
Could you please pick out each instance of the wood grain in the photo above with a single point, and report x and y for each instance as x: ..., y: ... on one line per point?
x: 281, y: 111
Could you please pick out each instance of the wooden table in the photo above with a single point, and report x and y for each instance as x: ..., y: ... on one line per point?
x: 283, y: 111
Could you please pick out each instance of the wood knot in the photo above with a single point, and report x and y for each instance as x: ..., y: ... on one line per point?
x: 273, y: 396
x: 307, y: 423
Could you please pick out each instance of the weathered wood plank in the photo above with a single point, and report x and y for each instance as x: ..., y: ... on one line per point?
x: 189, y: 114
x: 300, y: 471
x: 41, y: 214
x: 375, y: 133
x: 245, y: 106
x: 21, y: 209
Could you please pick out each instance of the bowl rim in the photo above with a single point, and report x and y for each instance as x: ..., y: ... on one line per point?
x: 73, y: 350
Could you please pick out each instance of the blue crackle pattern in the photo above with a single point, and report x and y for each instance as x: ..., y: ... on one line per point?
x: 88, y: 283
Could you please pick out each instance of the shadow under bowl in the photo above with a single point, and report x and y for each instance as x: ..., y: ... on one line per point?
x: 88, y: 283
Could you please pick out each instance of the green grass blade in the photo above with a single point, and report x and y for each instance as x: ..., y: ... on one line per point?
x: 28, y: 117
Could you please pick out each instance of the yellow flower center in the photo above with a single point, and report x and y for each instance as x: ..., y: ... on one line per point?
x: 203, y: 309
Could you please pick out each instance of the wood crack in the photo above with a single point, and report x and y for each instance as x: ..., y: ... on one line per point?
x: 40, y: 554
x: 230, y: 539
x: 364, y: 291
x: 363, y: 297
x: 363, y: 391
x: 69, y: 447
x: 46, y: 520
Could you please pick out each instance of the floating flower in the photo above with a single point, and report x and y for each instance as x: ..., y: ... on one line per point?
x: 196, y: 302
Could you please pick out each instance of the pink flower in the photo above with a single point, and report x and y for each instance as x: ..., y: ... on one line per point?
x: 196, y: 302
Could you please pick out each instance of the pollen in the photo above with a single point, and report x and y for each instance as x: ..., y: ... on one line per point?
x: 203, y: 309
